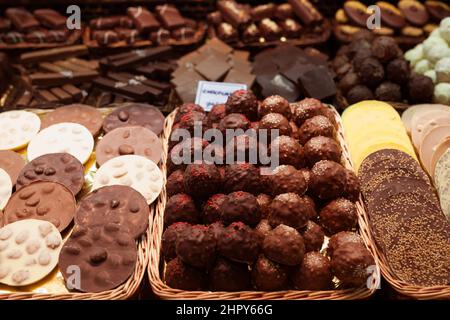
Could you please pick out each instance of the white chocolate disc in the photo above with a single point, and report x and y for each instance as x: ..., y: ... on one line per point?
x: 72, y: 138
x: 29, y: 251
x: 134, y: 171
x: 17, y: 128
x: 5, y: 188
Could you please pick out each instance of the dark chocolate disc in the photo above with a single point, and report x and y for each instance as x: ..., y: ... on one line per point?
x: 117, y: 204
x: 105, y: 255
x: 57, y: 167
x: 135, y: 114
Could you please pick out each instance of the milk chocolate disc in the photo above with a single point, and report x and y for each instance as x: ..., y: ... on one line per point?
x: 117, y: 204
x: 414, y: 12
x: 5, y: 188
x: 106, y: 257
x: 12, y: 163
x: 57, y: 167
x: 129, y: 140
x: 135, y: 114
x: 42, y: 200
x: 29, y: 251
x: 82, y: 114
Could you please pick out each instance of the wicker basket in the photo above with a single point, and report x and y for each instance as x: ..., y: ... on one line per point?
x: 124, y: 291
x: 156, y: 265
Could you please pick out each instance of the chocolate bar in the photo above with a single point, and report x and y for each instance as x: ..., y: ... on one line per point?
x: 13, y: 37
x: 170, y: 17
x: 70, y: 66
x: 36, y: 37
x: 136, y: 57
x: 305, y: 11
x: 76, y: 93
x: 270, y: 29
x: 108, y: 23
x: 60, y: 78
x: 50, y: 18
x: 53, y: 54
x: 105, y: 37
x: 87, y: 64
x: 263, y: 11
x: 183, y: 33
x: 22, y: 19
x: 128, y: 35
x: 133, y: 89
x: 46, y: 95
x: 25, y: 99
x: 160, y: 37
x: 233, y: 13
x: 44, y: 36
x: 62, y: 95
x: 143, y: 19
x: 227, y: 32
x: 130, y: 78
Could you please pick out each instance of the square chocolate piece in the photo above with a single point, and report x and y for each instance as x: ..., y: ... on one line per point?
x: 213, y: 68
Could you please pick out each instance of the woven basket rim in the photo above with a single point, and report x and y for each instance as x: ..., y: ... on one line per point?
x: 163, y: 291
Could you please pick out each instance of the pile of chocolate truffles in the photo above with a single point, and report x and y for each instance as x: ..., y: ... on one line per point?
x: 233, y: 228
x: 374, y: 68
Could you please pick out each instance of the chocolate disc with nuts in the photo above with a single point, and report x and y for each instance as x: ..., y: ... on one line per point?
x: 57, y: 167
x: 104, y: 256
x: 41, y: 200
x: 135, y: 114
x: 129, y: 140
x: 117, y: 204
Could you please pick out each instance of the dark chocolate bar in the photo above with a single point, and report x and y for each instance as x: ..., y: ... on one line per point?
x: 22, y: 19
x: 75, y: 92
x: 138, y: 57
x: 128, y: 35
x: 105, y: 37
x: 61, y: 78
x: 53, y: 54
x: 108, y: 23
x: 143, y: 19
x: 233, y: 13
x: 170, y: 17
x: 183, y: 33
x: 160, y: 37
x: 62, y: 95
x: 50, y: 18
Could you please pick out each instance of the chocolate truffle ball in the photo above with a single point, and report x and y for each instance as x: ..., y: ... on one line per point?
x: 341, y: 238
x: 242, y: 101
x: 216, y: 114
x: 371, y: 72
x: 284, y: 245
x: 268, y: 275
x: 290, y: 209
x: 286, y: 179
x: 294, y: 130
x: 359, y: 93
x: 350, y: 262
x: 314, y: 273
x: 169, y: 239
x: 347, y: 82
x: 352, y: 186
x: 290, y: 152
x: 313, y: 236
x: 316, y: 126
x: 388, y: 91
x: 275, y: 121
x: 196, y: 246
x: 357, y: 45
x: 217, y: 229
x: 174, y: 183
x: 327, y: 179
x: 321, y: 148
x: 397, y: 71
x: 201, y: 180
x: 275, y: 104
x: 212, y: 208
x: 420, y: 88
x: 263, y: 228
x: 187, y: 108
x: 241, y: 177
x: 306, y: 109
x: 339, y: 215
x: 241, y: 206
x: 360, y: 56
x: 189, y: 120
x: 264, y: 204
x: 239, y: 243
x: 180, y: 208
x: 227, y: 275
x: 184, y: 277
x: 234, y: 121
x: 385, y: 49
